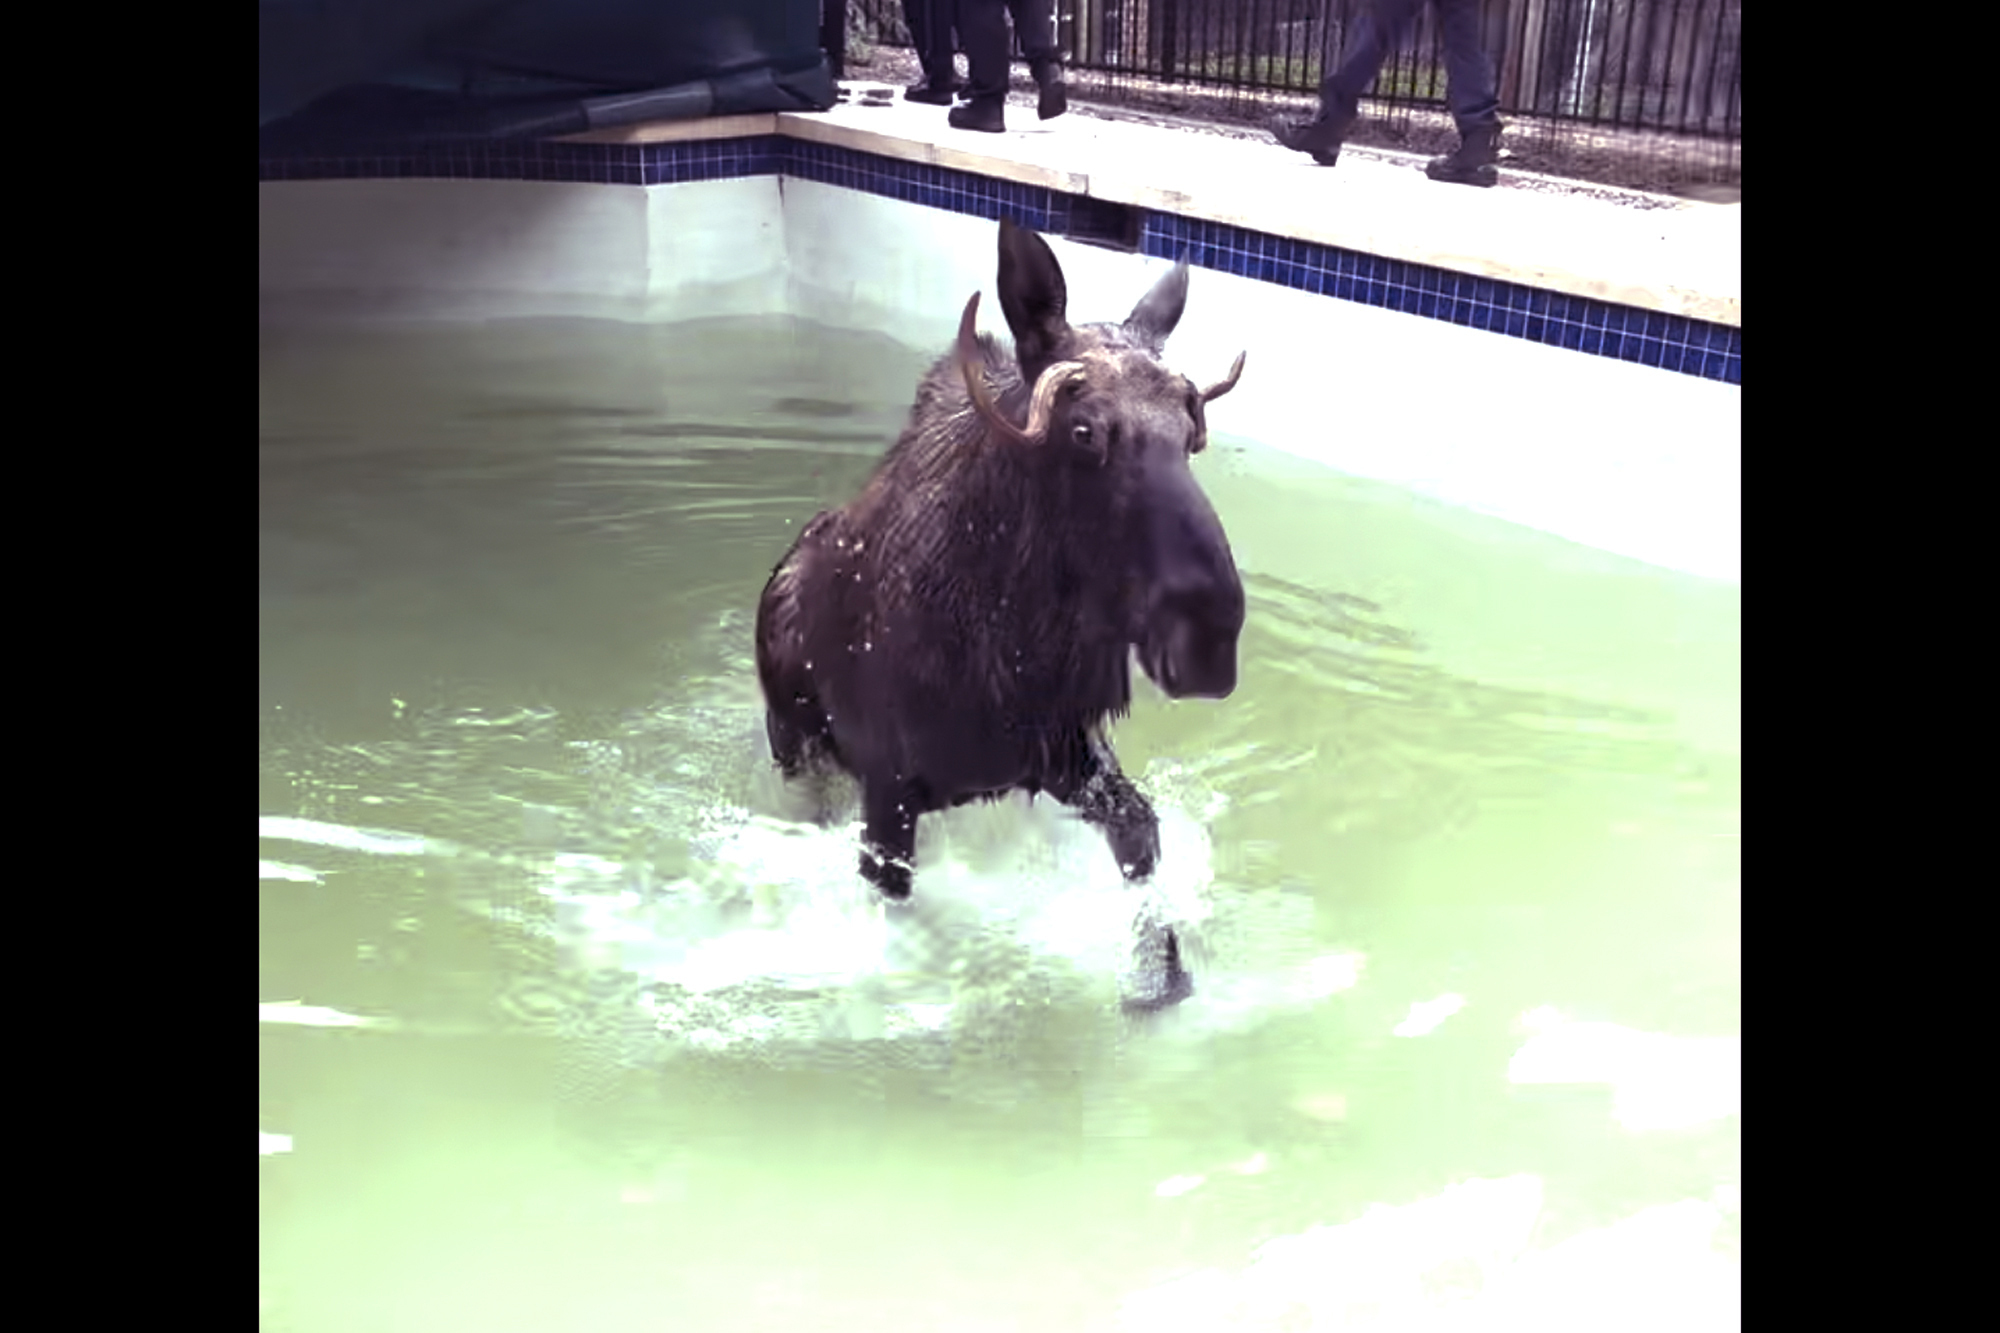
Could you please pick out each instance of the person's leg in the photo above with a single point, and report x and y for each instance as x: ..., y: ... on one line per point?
x: 1377, y: 29
x: 1035, y: 28
x: 1470, y: 89
x: 1473, y: 97
x: 929, y: 22
x: 982, y: 27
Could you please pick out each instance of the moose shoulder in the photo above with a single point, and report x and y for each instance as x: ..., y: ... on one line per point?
x: 964, y: 627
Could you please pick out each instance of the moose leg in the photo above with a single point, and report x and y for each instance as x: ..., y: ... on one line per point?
x: 889, y: 810
x: 1104, y: 796
x: 789, y: 742
x: 800, y: 746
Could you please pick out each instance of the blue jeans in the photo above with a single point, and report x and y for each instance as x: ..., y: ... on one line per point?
x: 1470, y: 88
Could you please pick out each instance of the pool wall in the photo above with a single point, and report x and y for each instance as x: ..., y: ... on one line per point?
x: 1553, y: 410
x: 462, y: 249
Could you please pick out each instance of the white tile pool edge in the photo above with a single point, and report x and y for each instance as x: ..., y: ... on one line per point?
x: 1647, y: 252
x: 1620, y: 457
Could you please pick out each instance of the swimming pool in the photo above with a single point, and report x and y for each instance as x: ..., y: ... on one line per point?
x: 591, y: 1032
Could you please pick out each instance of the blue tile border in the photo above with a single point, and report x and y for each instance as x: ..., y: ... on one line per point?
x: 1578, y: 323
x: 1035, y: 207
x: 534, y: 160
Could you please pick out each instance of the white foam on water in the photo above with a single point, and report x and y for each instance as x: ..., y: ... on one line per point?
x: 1239, y: 993
x: 295, y: 1013
x: 774, y: 936
x: 766, y: 933
x: 770, y: 937
x: 778, y: 906
x: 378, y: 842
x: 1658, y: 1082
x: 1460, y: 1261
x: 1426, y: 1015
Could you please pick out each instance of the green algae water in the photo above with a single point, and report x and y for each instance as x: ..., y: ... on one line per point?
x: 566, y: 1024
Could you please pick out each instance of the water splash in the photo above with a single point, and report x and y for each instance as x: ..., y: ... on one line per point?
x: 660, y: 864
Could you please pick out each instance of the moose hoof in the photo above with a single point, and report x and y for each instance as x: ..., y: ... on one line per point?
x: 891, y: 877
x: 1138, y: 854
x: 1163, y: 984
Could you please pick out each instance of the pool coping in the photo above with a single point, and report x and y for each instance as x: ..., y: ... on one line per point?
x: 1650, y: 252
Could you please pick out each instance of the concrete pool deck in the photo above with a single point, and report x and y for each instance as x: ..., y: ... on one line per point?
x: 1652, y: 252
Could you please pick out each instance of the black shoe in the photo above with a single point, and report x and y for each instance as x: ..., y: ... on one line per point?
x: 978, y: 113
x: 932, y: 94
x: 1320, y: 137
x: 1055, y: 95
x: 1472, y: 164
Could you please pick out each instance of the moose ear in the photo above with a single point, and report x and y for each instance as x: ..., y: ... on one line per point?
x: 1032, y: 296
x: 1160, y: 309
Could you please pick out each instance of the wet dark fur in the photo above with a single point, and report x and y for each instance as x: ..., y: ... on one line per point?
x: 964, y: 627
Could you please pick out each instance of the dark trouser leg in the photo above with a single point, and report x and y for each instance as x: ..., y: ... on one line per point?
x: 1472, y: 97
x: 982, y: 27
x: 1035, y: 29
x: 1377, y: 30
x: 1470, y: 88
x: 929, y: 22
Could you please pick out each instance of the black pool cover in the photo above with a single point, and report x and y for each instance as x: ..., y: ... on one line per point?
x: 500, y: 69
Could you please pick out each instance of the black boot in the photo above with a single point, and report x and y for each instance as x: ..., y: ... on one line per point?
x: 1320, y: 136
x: 932, y: 93
x: 1055, y: 95
x: 1472, y: 164
x: 979, y: 113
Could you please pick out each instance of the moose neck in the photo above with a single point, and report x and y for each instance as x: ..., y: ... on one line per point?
x: 1000, y: 548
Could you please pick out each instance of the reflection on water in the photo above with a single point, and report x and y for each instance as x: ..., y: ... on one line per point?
x: 566, y: 1019
x: 1462, y: 1260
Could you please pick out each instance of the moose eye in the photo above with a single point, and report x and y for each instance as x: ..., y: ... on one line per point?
x: 1081, y: 434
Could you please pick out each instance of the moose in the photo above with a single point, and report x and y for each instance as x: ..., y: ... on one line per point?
x: 964, y: 627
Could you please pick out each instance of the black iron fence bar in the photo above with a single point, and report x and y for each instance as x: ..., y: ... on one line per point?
x: 1669, y: 65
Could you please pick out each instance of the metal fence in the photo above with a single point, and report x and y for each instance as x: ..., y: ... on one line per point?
x: 1668, y: 66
